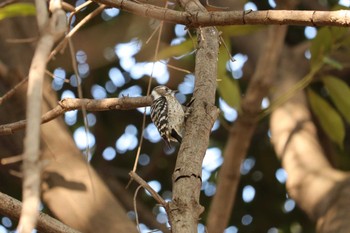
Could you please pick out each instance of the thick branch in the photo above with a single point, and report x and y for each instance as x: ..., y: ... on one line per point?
x: 185, y: 208
x: 65, y: 105
x: 217, y: 18
x: 12, y: 208
x: 51, y: 29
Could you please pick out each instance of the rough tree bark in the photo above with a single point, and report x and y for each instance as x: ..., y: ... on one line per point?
x: 185, y: 208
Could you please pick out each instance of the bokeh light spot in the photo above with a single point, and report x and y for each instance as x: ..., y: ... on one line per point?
x: 180, y: 30
x: 247, y: 165
x: 144, y: 159
x: 212, y: 159
x: 6, y: 222
x: 109, y: 153
x: 310, y: 32
x: 230, y: 113
x: 156, y: 186
x: 247, y: 219
x: 281, y: 175
x: 231, y: 229
x: 250, y: 6
x: 289, y: 205
x: 83, y: 139
x: 248, y: 193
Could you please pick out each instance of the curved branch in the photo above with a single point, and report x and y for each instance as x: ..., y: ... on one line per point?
x: 218, y: 18
x: 65, y: 105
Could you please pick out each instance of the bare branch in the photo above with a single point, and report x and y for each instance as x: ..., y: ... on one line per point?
x: 12, y: 208
x: 146, y: 186
x: 11, y: 159
x: 65, y: 105
x: 218, y: 18
x: 125, y: 197
x: 51, y: 29
x: 11, y: 92
x: 185, y: 208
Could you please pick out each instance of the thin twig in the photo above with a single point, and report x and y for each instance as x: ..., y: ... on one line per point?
x: 83, y: 110
x: 153, y: 33
x: 76, y: 10
x: 226, y: 48
x: 75, y: 29
x: 135, y: 208
x: 53, y: 76
x: 21, y: 40
x: 12, y: 91
x: 176, y: 68
x: 146, y: 186
x: 15, y: 173
x: 12, y: 159
x: 67, y: 7
x: 148, y: 92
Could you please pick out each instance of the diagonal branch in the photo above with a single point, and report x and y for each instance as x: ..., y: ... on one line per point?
x: 65, y: 105
x: 147, y: 187
x: 12, y: 208
x: 219, y: 18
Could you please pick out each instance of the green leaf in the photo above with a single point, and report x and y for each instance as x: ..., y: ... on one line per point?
x: 329, y: 119
x: 339, y: 92
x: 17, y: 9
x: 321, y: 45
x: 326, y: 43
x: 333, y: 63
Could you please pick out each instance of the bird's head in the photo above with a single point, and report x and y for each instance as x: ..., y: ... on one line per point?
x: 159, y: 91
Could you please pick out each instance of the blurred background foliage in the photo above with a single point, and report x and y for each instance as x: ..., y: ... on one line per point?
x: 116, y: 52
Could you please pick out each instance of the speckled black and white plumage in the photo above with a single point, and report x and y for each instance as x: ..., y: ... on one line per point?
x: 167, y: 114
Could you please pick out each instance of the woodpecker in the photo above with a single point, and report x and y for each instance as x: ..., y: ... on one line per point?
x: 168, y: 114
